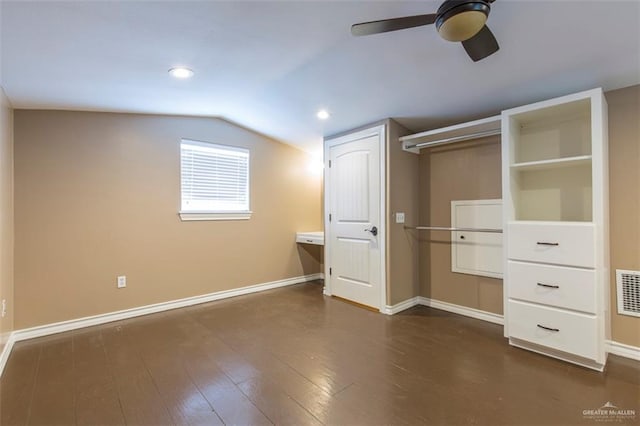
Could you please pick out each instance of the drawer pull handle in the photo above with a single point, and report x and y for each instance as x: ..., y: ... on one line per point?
x: 548, y: 285
x: 549, y: 328
x: 542, y: 243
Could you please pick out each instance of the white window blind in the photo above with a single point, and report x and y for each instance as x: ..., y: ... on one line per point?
x: 214, y: 178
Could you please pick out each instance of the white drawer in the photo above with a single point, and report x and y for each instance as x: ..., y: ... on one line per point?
x: 558, y: 286
x: 571, y: 244
x: 565, y: 331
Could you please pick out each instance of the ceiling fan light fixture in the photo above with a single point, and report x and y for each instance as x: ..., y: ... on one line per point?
x: 461, y: 20
x: 456, y: 20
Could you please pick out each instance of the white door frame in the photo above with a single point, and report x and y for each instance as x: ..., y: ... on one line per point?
x: 379, y: 131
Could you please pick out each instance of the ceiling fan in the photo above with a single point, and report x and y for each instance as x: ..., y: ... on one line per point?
x: 456, y: 20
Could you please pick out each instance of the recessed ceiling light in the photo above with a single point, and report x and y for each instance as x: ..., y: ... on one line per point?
x: 323, y: 114
x: 181, y: 72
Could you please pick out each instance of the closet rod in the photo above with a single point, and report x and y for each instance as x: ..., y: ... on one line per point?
x: 443, y: 228
x: 454, y: 139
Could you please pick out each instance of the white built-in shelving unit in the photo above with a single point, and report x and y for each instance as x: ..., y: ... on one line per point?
x: 555, y: 199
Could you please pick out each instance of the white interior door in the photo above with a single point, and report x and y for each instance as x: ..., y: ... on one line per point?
x: 355, y: 243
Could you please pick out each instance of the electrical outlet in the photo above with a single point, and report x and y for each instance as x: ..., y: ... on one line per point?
x: 399, y: 217
x: 122, y: 281
x: 4, y: 307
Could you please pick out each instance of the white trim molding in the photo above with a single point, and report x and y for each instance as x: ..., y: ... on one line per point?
x: 6, y: 351
x: 444, y: 306
x: 402, y: 306
x: 59, y: 327
x: 191, y: 216
x: 616, y: 348
x: 612, y: 347
x: 621, y: 349
x: 462, y: 310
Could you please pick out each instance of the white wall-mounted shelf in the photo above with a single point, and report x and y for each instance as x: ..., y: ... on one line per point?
x: 451, y: 134
x: 582, y: 160
x: 316, y: 238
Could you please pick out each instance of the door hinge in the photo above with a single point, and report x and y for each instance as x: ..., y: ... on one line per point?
x: 329, y: 163
x: 330, y: 271
x: 329, y: 217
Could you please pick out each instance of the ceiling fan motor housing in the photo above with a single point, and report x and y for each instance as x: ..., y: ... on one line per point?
x: 459, y: 20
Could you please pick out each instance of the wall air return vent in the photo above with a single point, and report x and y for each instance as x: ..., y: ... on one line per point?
x: 628, y: 284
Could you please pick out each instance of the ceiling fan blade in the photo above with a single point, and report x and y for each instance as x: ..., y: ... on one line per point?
x: 481, y: 45
x: 385, y: 25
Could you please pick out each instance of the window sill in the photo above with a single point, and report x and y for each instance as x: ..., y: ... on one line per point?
x: 190, y: 216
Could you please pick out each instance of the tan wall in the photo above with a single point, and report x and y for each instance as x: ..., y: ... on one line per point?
x: 465, y: 171
x: 624, y: 200
x: 97, y: 195
x: 6, y: 216
x: 402, y: 196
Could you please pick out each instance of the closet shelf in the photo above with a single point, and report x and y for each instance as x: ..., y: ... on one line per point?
x: 582, y: 160
x: 452, y: 134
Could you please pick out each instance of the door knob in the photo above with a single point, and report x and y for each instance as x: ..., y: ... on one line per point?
x: 373, y: 230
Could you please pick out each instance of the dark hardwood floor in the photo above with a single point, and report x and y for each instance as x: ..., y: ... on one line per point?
x: 294, y: 356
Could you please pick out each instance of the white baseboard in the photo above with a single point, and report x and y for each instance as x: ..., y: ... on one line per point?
x: 462, y: 310
x: 612, y: 347
x: 6, y: 351
x: 444, y: 306
x: 402, y: 306
x: 624, y: 350
x: 59, y: 327
x: 615, y: 348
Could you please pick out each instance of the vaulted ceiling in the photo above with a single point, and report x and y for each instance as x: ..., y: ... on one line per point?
x: 270, y: 65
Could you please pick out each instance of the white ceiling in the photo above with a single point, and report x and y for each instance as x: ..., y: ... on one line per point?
x: 269, y: 66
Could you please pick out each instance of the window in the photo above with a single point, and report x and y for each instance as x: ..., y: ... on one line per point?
x: 214, y: 181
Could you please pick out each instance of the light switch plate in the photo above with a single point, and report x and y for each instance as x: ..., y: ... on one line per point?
x: 400, y: 217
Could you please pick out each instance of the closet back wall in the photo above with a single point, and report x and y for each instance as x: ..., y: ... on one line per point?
x: 97, y: 196
x: 463, y: 171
